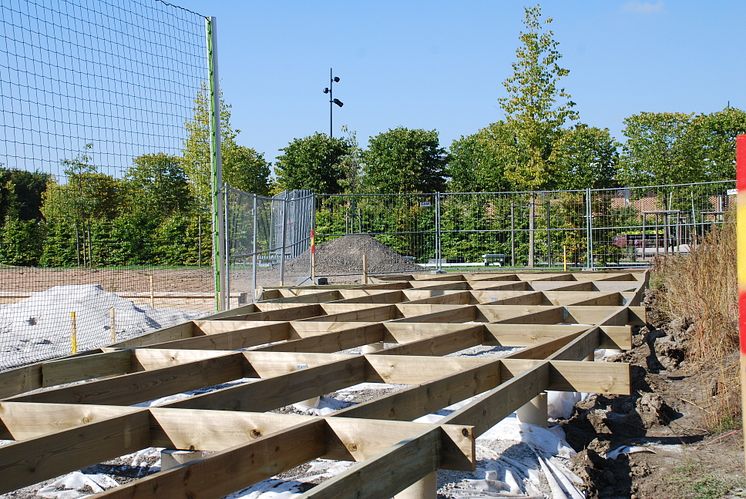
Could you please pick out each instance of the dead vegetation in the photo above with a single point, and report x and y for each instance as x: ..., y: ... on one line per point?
x: 684, y: 408
x: 696, y: 296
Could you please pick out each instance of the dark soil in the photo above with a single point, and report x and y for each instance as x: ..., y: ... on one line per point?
x: 667, y: 414
x: 344, y: 256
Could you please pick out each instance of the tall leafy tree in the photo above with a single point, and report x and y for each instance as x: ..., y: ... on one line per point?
x: 315, y: 162
x: 21, y: 193
x: 351, y: 164
x: 710, y: 143
x: 536, y: 107
x: 655, y: 151
x: 78, y: 213
x: 246, y: 169
x: 158, y: 185
x: 243, y: 167
x: 584, y: 157
x: 476, y: 162
x: 405, y: 160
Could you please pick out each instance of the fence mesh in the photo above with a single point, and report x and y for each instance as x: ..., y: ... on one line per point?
x: 269, y: 240
x: 96, y: 207
x: 592, y: 228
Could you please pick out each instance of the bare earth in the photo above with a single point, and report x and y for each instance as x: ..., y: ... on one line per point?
x: 28, y: 279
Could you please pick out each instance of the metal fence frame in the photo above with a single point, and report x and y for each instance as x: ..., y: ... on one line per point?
x: 584, y: 229
x: 263, y: 234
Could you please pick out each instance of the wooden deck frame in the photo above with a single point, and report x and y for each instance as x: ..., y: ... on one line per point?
x: 271, y: 354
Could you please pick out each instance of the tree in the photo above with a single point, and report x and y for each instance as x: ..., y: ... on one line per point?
x: 536, y: 108
x: 21, y: 193
x: 158, y: 185
x: 243, y: 167
x: 584, y: 157
x: 710, y: 143
x: 314, y: 163
x: 476, y: 162
x: 247, y: 169
x: 78, y: 212
x: 655, y: 152
x: 404, y: 160
x: 351, y: 164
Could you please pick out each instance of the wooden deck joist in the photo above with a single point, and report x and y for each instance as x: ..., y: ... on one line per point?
x: 222, y: 373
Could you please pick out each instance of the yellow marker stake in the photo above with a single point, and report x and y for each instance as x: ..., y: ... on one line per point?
x: 73, y: 333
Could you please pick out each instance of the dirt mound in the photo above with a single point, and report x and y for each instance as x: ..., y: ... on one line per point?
x: 344, y: 256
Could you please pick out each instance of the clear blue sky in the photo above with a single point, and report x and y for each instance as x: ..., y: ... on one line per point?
x: 441, y: 64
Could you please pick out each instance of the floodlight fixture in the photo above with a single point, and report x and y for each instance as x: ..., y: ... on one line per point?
x: 330, y: 90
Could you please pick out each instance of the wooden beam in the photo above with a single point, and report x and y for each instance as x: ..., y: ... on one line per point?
x: 332, y: 342
x: 544, y: 349
x: 234, y: 468
x: 579, y: 348
x: 279, y: 391
x: 498, y: 403
x: 241, y: 337
x: 422, y: 399
x: 25, y: 420
x: 24, y: 463
x: 147, y: 385
x: 50, y: 373
x: 441, y: 343
x: 415, y: 370
x: 354, y: 439
x: 577, y: 376
x: 380, y: 477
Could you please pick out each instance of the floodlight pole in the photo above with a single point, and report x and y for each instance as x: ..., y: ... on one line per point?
x: 331, y: 106
x: 330, y: 90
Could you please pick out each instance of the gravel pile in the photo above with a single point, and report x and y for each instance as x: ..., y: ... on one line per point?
x: 345, y: 256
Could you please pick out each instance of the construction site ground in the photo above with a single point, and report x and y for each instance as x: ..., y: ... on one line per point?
x: 666, y: 421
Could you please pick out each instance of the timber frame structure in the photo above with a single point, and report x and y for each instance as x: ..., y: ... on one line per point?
x: 77, y: 411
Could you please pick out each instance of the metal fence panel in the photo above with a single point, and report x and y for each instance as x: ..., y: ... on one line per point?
x: 632, y: 225
x: 268, y: 241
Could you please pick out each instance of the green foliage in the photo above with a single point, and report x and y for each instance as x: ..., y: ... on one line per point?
x: 351, y: 164
x: 60, y: 244
x: 655, y: 151
x: 314, y: 162
x: 476, y: 162
x: 536, y: 108
x: 21, y: 193
x: 584, y: 157
x: 243, y: 167
x: 157, y: 184
x: 21, y: 242
x: 246, y: 169
x: 176, y: 241
x: 94, y: 219
x: 404, y: 160
x: 710, y: 143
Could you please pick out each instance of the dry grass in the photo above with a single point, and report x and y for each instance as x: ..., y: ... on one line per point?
x: 701, y: 289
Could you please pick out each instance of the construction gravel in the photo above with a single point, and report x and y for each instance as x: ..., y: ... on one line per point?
x: 344, y: 256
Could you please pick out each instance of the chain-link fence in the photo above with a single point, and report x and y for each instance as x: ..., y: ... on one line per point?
x: 97, y: 214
